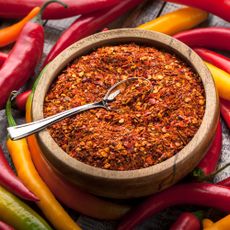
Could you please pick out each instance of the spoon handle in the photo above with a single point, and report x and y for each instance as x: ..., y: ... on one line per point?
x: 20, y: 131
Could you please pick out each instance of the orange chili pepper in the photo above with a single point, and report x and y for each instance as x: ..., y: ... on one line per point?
x: 207, y: 223
x: 11, y: 33
x: 222, y: 224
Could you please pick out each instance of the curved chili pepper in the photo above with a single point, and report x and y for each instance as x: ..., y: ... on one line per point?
x: 88, y: 24
x: 202, y: 194
x: 19, y: 102
x: 18, y: 9
x: 24, y: 56
x: 214, y: 58
x: 225, y: 111
x: 183, y: 19
x: 186, y: 221
x: 209, y: 163
x: 11, y: 33
x: 27, y: 172
x: 18, y: 214
x: 220, y: 8
x: 66, y: 192
x: 3, y: 57
x: 222, y: 224
x: 4, y: 226
x: 211, y: 37
x: 11, y: 182
x: 222, y: 80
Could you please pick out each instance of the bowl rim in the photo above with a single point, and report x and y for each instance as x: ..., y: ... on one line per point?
x: 202, y: 137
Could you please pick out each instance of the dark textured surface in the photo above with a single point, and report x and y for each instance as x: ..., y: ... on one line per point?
x: 141, y: 14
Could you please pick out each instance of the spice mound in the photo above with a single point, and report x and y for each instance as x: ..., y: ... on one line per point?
x: 141, y: 133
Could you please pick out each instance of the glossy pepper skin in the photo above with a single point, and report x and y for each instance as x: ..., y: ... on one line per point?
x: 214, y: 58
x: 10, y: 34
x: 222, y: 224
x: 11, y: 182
x: 225, y: 111
x: 220, y: 8
x: 183, y: 19
x: 18, y: 9
x: 88, y: 24
x: 66, y: 192
x: 20, y: 154
x: 22, y: 60
x: 186, y: 221
x: 202, y: 194
x: 211, y: 37
x: 18, y: 214
x: 209, y: 163
x: 222, y: 81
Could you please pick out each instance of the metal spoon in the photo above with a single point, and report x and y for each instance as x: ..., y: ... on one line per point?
x: 24, y: 130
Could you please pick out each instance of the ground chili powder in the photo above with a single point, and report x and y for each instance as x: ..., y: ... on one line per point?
x: 139, y: 135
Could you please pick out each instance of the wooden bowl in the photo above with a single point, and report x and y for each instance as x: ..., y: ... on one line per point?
x: 140, y: 182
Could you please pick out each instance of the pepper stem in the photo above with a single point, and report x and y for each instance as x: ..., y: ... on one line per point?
x: 38, y: 18
x: 9, y: 116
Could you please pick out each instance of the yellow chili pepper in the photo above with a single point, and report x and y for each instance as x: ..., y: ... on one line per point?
x: 176, y: 21
x: 222, y: 80
x: 223, y: 224
x: 26, y: 171
x: 18, y: 214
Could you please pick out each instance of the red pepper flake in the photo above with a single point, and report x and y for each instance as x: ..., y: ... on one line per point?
x: 147, y: 130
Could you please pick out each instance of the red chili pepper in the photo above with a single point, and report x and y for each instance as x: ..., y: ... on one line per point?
x: 3, y: 57
x: 225, y: 182
x: 214, y: 58
x: 23, y: 58
x: 88, y: 24
x: 4, y: 226
x: 217, y: 7
x: 209, y: 163
x: 186, y: 221
x: 18, y: 9
x: 202, y: 194
x: 211, y: 37
x: 225, y: 111
x: 19, y: 102
x: 11, y: 182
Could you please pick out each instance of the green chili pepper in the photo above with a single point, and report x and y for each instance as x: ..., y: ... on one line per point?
x: 16, y: 213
